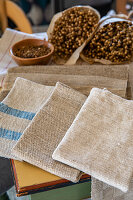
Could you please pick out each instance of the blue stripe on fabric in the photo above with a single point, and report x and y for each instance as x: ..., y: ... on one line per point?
x: 10, y: 135
x: 15, y: 112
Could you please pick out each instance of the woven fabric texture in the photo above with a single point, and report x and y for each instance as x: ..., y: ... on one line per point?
x: 103, y: 191
x: 48, y: 128
x: 81, y: 78
x: 17, y: 110
x: 100, y: 140
x: 3, y: 94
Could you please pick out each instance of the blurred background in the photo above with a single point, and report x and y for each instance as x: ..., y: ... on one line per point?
x: 40, y: 12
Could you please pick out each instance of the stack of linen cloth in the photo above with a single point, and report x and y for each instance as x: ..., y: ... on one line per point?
x: 67, y: 133
x: 58, y: 129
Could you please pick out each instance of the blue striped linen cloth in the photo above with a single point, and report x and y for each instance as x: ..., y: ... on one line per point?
x: 17, y: 110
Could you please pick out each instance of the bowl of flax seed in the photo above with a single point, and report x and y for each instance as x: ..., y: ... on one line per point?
x: 32, y: 52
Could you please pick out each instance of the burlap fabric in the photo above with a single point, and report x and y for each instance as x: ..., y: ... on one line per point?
x: 99, y: 142
x: 17, y: 110
x: 48, y: 128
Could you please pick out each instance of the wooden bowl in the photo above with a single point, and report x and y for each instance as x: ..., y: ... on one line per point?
x: 42, y: 60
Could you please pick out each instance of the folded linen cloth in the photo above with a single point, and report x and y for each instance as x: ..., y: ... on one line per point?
x: 115, y: 71
x: 81, y: 78
x: 103, y: 191
x: 17, y: 110
x: 100, y: 140
x: 48, y: 128
x: 82, y: 83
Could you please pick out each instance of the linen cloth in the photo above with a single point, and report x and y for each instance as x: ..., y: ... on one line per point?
x: 48, y: 128
x: 100, y: 140
x: 17, y: 110
x: 130, y: 82
x: 102, y: 191
x: 81, y: 78
x: 3, y: 94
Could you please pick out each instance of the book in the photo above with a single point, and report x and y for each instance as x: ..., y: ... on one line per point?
x: 29, y: 179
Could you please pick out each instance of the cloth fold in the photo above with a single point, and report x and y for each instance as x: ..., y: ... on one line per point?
x: 48, y: 128
x: 17, y: 110
x: 100, y: 140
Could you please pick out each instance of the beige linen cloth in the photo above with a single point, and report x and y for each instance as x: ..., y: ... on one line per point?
x: 130, y: 82
x: 17, y: 110
x: 103, y: 191
x: 100, y: 140
x: 3, y: 94
x: 80, y: 77
x: 48, y: 128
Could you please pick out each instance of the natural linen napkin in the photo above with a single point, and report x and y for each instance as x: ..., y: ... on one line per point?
x: 48, y: 128
x: 17, y: 110
x: 100, y: 140
x: 103, y: 191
